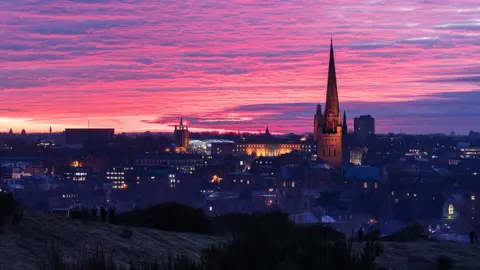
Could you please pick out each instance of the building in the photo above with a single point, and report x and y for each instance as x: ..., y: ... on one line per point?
x: 329, y: 125
x: 180, y: 137
x: 357, y: 156
x: 267, y: 145
x: 212, y: 147
x: 364, y: 127
x: 120, y: 177
x: 182, y: 163
x: 79, y: 136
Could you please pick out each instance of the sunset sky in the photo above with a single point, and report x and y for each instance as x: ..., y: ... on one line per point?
x: 139, y: 65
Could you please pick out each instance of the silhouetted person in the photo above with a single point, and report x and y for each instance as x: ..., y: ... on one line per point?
x: 94, y: 213
x: 103, y: 214
x: 111, y: 215
x: 472, y: 236
x: 360, y: 234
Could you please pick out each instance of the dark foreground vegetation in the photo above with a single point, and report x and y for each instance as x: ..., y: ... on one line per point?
x: 252, y: 241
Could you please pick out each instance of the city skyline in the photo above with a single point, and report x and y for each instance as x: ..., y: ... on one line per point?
x: 240, y: 65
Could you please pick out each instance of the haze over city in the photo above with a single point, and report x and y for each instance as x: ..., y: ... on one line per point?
x: 237, y: 65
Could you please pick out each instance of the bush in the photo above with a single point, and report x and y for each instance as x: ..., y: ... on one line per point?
x: 409, y: 233
x: 373, y: 234
x: 169, y: 217
x: 11, y: 212
x: 80, y: 214
x: 127, y: 233
x: 444, y: 263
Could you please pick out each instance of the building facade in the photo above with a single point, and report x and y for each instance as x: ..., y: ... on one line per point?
x: 329, y: 124
x: 181, y: 137
x: 79, y: 136
x: 364, y: 127
x: 267, y: 145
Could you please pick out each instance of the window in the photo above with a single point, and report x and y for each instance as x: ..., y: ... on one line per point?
x: 451, y: 210
x: 376, y: 185
x: 365, y: 185
x: 473, y: 197
x: 293, y: 184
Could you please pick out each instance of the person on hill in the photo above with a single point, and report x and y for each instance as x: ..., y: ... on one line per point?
x: 360, y: 234
x: 111, y: 215
x: 472, y: 236
x: 103, y: 214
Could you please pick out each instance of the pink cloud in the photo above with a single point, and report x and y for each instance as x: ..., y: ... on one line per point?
x: 64, y: 62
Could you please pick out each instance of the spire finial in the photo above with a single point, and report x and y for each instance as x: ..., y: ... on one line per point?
x: 181, y: 121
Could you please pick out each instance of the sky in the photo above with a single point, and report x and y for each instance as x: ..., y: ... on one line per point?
x: 139, y: 65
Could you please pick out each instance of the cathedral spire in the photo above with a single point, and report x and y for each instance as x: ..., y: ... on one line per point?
x: 331, y: 106
x: 267, y: 132
x: 344, y: 123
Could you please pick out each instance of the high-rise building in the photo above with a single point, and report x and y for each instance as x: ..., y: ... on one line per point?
x: 80, y: 136
x: 329, y: 125
x: 181, y: 137
x: 364, y: 127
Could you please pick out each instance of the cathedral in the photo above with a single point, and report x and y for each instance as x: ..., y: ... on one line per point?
x: 328, y: 129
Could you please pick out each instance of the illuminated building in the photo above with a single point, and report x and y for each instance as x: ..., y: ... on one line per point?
x: 267, y: 146
x: 329, y: 125
x: 182, y: 163
x: 356, y: 156
x: 180, y: 137
x: 77, y: 174
x: 470, y: 153
x: 119, y: 176
x: 212, y: 147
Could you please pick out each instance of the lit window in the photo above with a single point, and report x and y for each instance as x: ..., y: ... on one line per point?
x: 293, y: 184
x: 365, y: 185
x: 473, y: 197
x: 376, y: 185
x: 210, y: 208
x: 241, y: 162
x: 451, y: 210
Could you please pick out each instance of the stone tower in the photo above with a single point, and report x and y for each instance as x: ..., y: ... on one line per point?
x: 181, y: 137
x: 329, y: 131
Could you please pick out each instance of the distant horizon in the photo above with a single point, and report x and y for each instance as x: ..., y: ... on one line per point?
x: 235, y: 132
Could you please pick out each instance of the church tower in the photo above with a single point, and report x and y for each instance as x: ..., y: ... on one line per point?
x: 329, y: 131
x: 317, y: 121
x: 180, y: 136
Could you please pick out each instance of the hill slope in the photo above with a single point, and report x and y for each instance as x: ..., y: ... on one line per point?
x: 24, y: 246
x: 423, y: 255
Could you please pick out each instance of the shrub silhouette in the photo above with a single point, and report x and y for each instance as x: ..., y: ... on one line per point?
x: 169, y: 217
x: 11, y: 212
x: 409, y: 233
